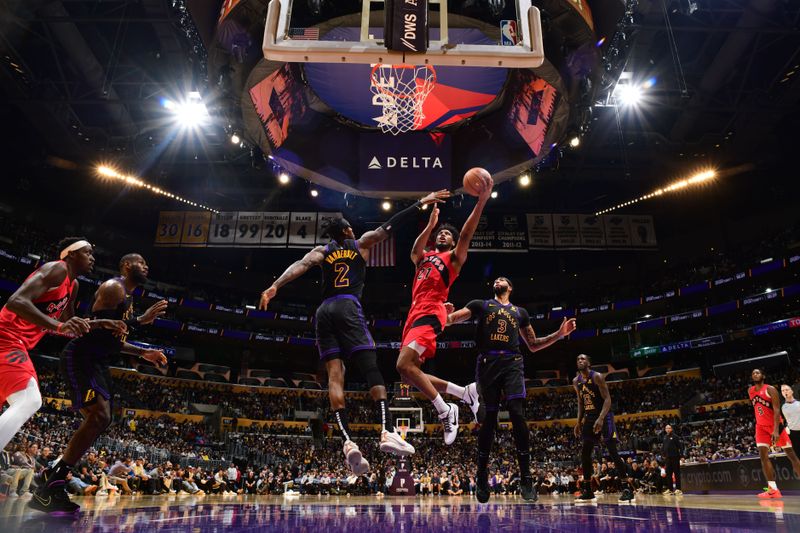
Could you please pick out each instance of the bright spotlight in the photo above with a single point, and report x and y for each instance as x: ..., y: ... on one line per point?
x: 386, y: 205
x: 524, y: 180
x: 235, y: 139
x: 425, y: 207
x: 314, y: 193
x: 106, y: 171
x: 283, y: 178
x: 494, y: 194
x: 575, y: 142
x: 191, y: 114
x: 629, y: 95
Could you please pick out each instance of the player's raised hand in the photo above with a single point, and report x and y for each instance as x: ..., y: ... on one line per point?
x: 486, y: 189
x: 434, y: 218
x: 266, y: 296
x: 156, y: 310
x: 567, y: 327
x: 436, y: 197
x: 449, y: 307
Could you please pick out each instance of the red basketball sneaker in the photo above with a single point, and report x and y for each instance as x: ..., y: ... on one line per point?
x: 770, y: 493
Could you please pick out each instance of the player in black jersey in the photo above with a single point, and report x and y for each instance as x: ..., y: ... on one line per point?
x: 341, y: 328
x: 85, y: 366
x: 500, y: 371
x: 595, y: 422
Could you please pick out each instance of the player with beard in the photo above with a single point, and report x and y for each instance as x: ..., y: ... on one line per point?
x: 45, y: 302
x: 766, y: 406
x: 341, y: 328
x: 595, y: 422
x: 85, y: 366
x: 501, y: 371
x: 436, y: 270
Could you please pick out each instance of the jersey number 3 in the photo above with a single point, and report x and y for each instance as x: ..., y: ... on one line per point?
x: 341, y: 275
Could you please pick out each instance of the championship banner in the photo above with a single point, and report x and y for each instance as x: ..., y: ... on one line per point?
x: 500, y: 233
x: 566, y: 231
x: 618, y: 232
x: 540, y: 231
x: 593, y: 233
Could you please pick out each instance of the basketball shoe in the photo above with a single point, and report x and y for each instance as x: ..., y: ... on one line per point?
x: 770, y: 493
x: 472, y: 399
x: 391, y: 442
x: 52, y: 498
x: 450, y: 423
x: 627, y: 496
x: 528, y: 491
x: 587, y: 496
x: 355, y: 460
x: 482, y: 488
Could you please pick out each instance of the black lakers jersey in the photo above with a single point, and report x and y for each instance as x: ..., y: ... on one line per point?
x: 498, y: 325
x: 103, y: 342
x: 343, y: 269
x: 590, y: 394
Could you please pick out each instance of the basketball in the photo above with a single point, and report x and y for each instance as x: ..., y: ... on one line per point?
x: 474, y: 179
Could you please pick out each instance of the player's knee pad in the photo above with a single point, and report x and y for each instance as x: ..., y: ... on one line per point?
x: 367, y: 361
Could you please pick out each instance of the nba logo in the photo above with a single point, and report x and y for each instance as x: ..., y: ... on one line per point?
x: 508, y: 32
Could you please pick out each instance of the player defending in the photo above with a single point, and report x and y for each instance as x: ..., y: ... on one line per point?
x: 44, y: 303
x: 340, y: 324
x: 501, y: 370
x: 436, y: 271
x: 765, y: 402
x: 596, y: 422
x: 85, y: 367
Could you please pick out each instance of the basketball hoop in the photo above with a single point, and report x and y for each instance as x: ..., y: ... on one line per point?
x: 401, y: 91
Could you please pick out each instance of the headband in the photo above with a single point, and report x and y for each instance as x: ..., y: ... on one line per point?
x: 72, y: 247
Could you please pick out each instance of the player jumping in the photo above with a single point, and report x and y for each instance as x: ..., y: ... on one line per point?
x: 436, y: 271
x: 340, y: 324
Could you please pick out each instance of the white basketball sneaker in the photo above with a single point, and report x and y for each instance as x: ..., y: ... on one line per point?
x: 472, y: 400
x: 391, y: 442
x: 450, y: 424
x: 355, y: 460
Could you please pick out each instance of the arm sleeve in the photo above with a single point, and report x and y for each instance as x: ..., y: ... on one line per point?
x: 401, y: 217
x: 524, y: 318
x: 476, y: 307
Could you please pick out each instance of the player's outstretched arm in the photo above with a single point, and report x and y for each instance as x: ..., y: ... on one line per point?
x: 371, y: 238
x: 462, y: 247
x: 461, y: 315
x: 295, y: 270
x: 418, y: 250
x: 21, y: 302
x: 535, y: 343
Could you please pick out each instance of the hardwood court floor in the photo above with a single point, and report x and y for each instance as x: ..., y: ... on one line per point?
x: 321, y: 514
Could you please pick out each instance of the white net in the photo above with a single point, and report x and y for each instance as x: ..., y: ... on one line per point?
x: 400, y: 91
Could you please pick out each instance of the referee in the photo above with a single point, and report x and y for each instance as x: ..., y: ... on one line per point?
x: 672, y: 448
x: 791, y: 412
x: 500, y: 370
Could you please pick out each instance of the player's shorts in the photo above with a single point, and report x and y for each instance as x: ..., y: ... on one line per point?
x: 16, y: 369
x: 423, y: 324
x: 87, y: 376
x: 607, y: 432
x: 341, y: 327
x: 500, y: 374
x: 764, y: 437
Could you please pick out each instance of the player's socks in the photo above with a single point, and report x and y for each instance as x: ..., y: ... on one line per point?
x: 440, y: 405
x: 341, y: 420
x: 383, y: 415
x: 772, y: 485
x: 456, y: 390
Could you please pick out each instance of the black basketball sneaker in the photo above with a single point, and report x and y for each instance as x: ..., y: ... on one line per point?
x: 52, y: 498
x: 482, y: 489
x: 587, y: 496
x: 529, y: 493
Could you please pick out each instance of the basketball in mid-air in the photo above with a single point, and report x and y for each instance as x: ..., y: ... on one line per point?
x: 476, y: 179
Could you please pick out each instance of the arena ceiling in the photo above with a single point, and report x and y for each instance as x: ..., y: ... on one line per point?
x: 84, y: 81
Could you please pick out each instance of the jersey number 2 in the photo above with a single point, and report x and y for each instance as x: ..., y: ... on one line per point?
x: 341, y: 275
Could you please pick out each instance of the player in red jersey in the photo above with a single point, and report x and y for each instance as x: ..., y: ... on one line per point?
x: 766, y: 404
x: 45, y: 302
x: 436, y: 271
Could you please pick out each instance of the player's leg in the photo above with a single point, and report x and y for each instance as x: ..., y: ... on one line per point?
x: 763, y: 442
x: 624, y: 472
x: 467, y: 394
x: 409, y: 365
x: 22, y: 405
x: 512, y: 377
x: 588, y: 441
x: 787, y: 445
x: 355, y: 460
x: 490, y: 394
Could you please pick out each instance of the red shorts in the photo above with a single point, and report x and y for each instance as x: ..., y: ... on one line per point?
x: 423, y: 324
x: 764, y: 437
x: 16, y: 369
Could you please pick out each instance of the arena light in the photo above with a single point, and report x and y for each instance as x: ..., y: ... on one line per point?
x: 494, y: 194
x: 629, y: 95
x: 111, y: 173
x: 524, y: 180
x: 575, y: 142
x: 314, y: 193
x: 386, y: 205
x: 235, y: 139
x: 283, y: 178
x: 697, y: 179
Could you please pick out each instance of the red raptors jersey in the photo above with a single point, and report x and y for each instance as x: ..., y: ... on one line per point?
x: 762, y: 405
x: 435, y: 274
x: 15, y: 330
